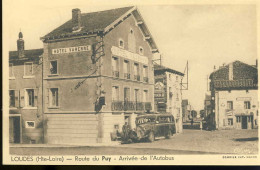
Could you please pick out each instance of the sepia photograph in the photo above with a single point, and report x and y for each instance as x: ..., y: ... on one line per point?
x: 130, y: 83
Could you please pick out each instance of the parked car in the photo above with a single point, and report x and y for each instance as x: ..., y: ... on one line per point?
x: 150, y: 126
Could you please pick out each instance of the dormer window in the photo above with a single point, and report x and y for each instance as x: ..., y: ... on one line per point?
x: 141, y: 51
x: 121, y: 43
x: 131, y: 31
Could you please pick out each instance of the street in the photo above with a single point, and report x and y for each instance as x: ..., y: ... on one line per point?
x: 188, y: 142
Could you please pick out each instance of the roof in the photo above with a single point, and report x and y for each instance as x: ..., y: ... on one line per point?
x: 227, y: 65
x: 27, y: 53
x: 159, y: 69
x: 91, y: 22
x: 244, y: 76
x: 101, y: 22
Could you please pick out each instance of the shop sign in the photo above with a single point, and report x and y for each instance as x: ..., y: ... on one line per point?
x: 129, y: 55
x: 71, y: 49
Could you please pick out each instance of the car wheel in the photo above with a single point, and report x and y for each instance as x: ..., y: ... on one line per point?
x: 168, y: 135
x: 151, y: 137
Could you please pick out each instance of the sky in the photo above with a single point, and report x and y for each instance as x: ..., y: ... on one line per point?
x: 203, y: 35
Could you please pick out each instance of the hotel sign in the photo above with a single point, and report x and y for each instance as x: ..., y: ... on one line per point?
x: 129, y: 55
x: 71, y: 49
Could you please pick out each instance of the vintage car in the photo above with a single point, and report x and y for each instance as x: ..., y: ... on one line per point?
x: 150, y: 126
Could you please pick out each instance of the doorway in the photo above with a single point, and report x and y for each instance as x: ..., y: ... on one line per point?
x: 14, y: 129
x: 244, y: 122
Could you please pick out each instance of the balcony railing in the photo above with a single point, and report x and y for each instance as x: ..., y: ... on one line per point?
x: 115, y: 73
x: 127, y: 76
x: 146, y: 79
x: 130, y: 106
x: 137, y: 77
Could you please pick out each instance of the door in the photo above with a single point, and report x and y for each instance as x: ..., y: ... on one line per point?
x: 244, y: 122
x: 14, y: 129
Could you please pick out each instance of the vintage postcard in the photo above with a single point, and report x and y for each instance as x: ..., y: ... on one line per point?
x: 130, y: 83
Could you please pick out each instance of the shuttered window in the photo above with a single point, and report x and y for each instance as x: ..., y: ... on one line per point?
x: 11, y: 98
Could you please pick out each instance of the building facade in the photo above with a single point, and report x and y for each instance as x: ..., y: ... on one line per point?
x: 167, y: 93
x: 25, y: 95
x: 234, y: 96
x: 97, y: 75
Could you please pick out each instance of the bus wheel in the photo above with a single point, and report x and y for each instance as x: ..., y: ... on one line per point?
x: 151, y: 137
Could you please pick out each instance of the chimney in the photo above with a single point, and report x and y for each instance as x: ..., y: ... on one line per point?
x: 20, y: 45
x: 230, y: 71
x: 256, y: 63
x: 76, y: 18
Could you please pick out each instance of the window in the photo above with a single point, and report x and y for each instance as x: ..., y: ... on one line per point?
x: 126, y: 69
x: 11, y: 98
x: 145, y: 73
x: 170, y: 92
x: 238, y: 119
x: 230, y: 105
x: 29, y: 124
x: 28, y: 69
x: 29, y: 98
x: 177, y: 78
x: 247, y: 105
x: 136, y: 72
x: 230, y: 122
x: 11, y: 74
x: 53, y: 67
x: 170, y: 77
x: 126, y: 94
x: 54, y: 97
x: 141, y: 51
x: 145, y: 96
x: 121, y: 43
x: 137, y: 99
x: 115, y: 67
x: 115, y: 93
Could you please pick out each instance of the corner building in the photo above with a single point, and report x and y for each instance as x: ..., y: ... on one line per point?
x: 97, y: 75
x: 234, y: 96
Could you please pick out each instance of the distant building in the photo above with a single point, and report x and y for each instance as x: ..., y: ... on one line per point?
x: 234, y: 94
x: 25, y: 94
x: 167, y: 93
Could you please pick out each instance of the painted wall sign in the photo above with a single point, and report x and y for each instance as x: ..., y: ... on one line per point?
x: 129, y: 55
x: 71, y: 49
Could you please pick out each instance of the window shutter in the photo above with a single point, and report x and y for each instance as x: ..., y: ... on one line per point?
x: 36, y: 97
x: 47, y: 97
x: 22, y: 99
x: 16, y: 102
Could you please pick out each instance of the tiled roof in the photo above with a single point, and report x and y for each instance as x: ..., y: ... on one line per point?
x: 27, y: 53
x: 91, y: 22
x: 159, y: 68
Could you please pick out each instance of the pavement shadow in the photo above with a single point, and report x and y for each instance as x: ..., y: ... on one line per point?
x: 246, y: 139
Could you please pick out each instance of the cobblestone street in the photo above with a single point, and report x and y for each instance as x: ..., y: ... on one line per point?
x: 189, y: 142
